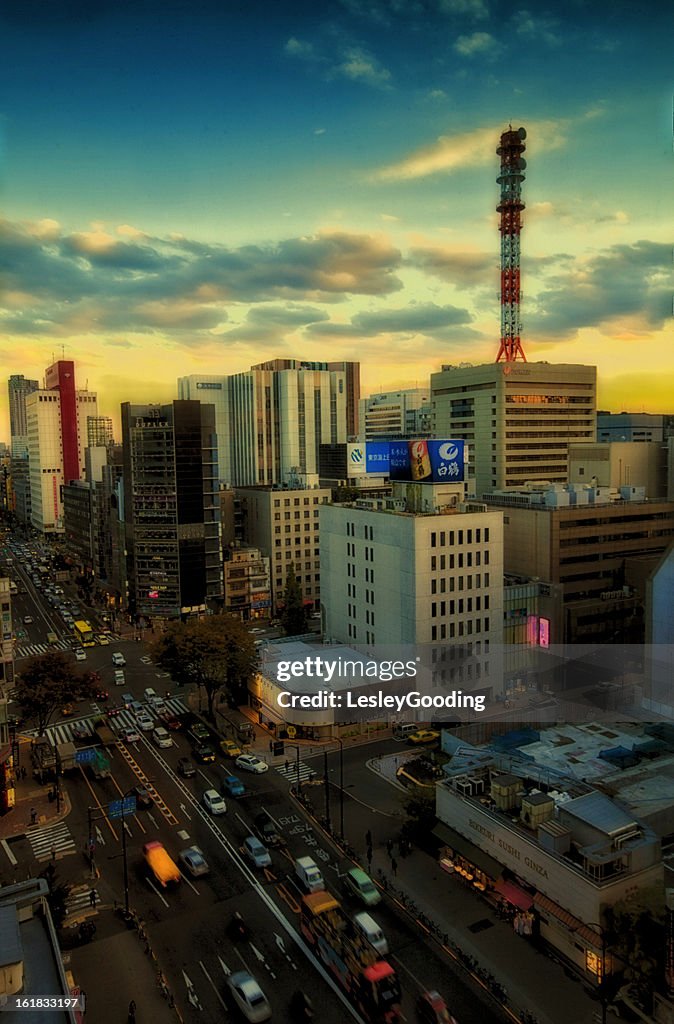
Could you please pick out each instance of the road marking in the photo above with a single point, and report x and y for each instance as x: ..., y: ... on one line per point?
x: 272, y: 818
x: 210, y: 981
x: 12, y: 859
x: 281, y: 945
x: 52, y: 837
x: 192, y: 887
x: 156, y: 890
x: 192, y: 993
x: 183, y: 808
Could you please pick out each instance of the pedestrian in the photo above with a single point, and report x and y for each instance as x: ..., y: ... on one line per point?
x: 389, y: 847
x: 369, y: 858
x: 131, y: 1019
x: 368, y: 838
x: 271, y: 746
x: 53, y: 853
x: 93, y: 897
x: 287, y: 764
x: 33, y: 815
x: 394, y: 866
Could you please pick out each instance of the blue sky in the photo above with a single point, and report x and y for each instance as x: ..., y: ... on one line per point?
x: 199, y: 186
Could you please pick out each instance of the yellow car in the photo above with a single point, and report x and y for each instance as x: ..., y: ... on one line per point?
x: 423, y: 736
x: 229, y: 748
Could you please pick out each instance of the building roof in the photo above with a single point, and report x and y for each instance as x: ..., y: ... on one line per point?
x: 600, y: 812
x: 11, y: 949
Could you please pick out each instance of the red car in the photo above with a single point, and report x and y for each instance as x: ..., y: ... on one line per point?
x: 432, y: 1009
x: 101, y: 694
x: 111, y: 712
x: 170, y: 721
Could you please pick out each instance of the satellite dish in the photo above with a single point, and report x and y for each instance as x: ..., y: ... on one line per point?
x: 522, y: 132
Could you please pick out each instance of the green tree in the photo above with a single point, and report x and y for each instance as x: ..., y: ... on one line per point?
x: 57, y: 896
x: 47, y: 683
x: 635, y: 939
x: 294, y: 615
x: 214, y: 653
x: 421, y: 819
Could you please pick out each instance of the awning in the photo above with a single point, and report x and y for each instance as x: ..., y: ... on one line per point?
x: 465, y: 848
x: 589, y: 936
x: 513, y: 894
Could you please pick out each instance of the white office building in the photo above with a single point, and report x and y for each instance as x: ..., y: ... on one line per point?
x: 396, y: 414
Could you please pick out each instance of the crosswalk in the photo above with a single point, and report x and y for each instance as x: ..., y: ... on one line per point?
x: 65, y: 732
x: 290, y: 773
x: 55, y: 838
x: 79, y: 902
x: 33, y: 650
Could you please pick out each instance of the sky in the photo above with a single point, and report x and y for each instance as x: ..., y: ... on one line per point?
x: 195, y: 187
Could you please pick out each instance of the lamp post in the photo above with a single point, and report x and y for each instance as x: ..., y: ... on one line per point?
x: 341, y: 785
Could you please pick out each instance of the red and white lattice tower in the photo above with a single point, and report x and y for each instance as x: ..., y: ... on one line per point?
x: 510, y: 179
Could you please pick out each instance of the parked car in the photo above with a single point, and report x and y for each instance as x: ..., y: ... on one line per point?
x: 213, y: 802
x: 194, y: 862
x: 256, y: 852
x: 233, y: 786
x: 249, y: 997
x: 251, y: 763
x: 204, y: 754
x: 186, y: 768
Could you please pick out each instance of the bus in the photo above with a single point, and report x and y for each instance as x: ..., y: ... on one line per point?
x: 84, y: 633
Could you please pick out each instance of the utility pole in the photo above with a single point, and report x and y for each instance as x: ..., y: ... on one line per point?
x: 327, y: 790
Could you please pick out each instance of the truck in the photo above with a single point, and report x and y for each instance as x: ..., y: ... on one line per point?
x: 100, y: 766
x: 164, y: 869
x: 105, y: 734
x: 370, y: 982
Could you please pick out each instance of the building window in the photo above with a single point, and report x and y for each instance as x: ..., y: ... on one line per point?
x: 434, y: 586
x: 434, y: 539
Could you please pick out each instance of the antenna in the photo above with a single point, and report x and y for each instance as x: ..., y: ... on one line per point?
x: 510, y: 207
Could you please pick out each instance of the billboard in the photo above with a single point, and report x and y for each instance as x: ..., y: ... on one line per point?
x: 428, y: 461
x: 355, y: 459
x: 377, y: 457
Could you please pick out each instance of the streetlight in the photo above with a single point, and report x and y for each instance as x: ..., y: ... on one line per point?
x: 341, y: 784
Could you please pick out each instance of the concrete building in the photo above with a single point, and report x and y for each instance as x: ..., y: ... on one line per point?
x: 518, y: 418
x: 170, y: 510
x: 586, y: 550
x: 630, y: 426
x: 396, y: 414
x: 6, y: 644
x: 412, y: 569
x: 18, y: 388
x: 555, y: 851
x: 351, y: 375
x: 247, y: 584
x: 79, y: 518
x: 213, y: 390
x: 283, y: 523
x: 618, y: 464
x: 99, y: 431
x: 57, y: 437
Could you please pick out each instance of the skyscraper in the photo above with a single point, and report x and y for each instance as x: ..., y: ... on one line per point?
x: 19, y: 387
x: 170, y: 508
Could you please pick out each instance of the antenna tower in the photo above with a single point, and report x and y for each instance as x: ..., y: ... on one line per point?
x: 510, y: 179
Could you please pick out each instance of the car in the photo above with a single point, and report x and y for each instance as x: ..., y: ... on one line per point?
x: 170, y: 720
x: 204, y: 754
x: 129, y: 735
x: 362, y: 886
x: 194, y: 862
x: 101, y: 694
x: 27, y: 620
x: 423, y: 736
x: 80, y: 655
x: 199, y: 733
x: 52, y: 638
x: 249, y: 997
x: 143, y: 798
x: 118, y: 659
x: 144, y: 722
x: 251, y: 763
x: 102, y: 639
x: 136, y: 707
x: 233, y: 786
x: 158, y: 704
x: 432, y: 1009
x: 256, y: 629
x: 213, y: 802
x: 115, y: 710
x: 186, y: 768
x: 266, y: 828
x: 161, y: 737
x: 230, y: 748
x: 80, y: 731
x: 256, y: 852
x: 67, y: 710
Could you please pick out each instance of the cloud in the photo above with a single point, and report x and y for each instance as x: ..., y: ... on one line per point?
x: 360, y: 66
x: 537, y: 29
x: 290, y: 316
x: 335, y: 57
x: 300, y: 48
x: 467, y: 149
x: 477, y: 44
x: 624, y: 281
x: 416, y: 318
x: 384, y: 12
x: 454, y: 265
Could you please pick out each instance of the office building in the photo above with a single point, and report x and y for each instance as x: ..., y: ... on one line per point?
x: 518, y: 419
x: 170, y: 511
x: 246, y: 584
x: 396, y: 414
x: 418, y: 567
x: 99, y: 431
x: 351, y: 376
x: 283, y: 523
x: 6, y: 643
x: 631, y: 426
x: 585, y: 540
x: 213, y: 390
x: 617, y: 464
x: 18, y: 388
x: 56, y: 417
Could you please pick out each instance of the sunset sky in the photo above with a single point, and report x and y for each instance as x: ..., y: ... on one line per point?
x: 199, y: 186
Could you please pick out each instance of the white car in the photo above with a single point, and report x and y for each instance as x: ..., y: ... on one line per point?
x: 249, y: 997
x: 27, y: 620
x: 161, y: 737
x: 251, y: 763
x: 214, y: 802
x: 118, y: 660
x: 80, y: 654
x: 129, y: 735
x: 144, y: 722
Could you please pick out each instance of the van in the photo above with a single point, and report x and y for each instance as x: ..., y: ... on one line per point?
x: 309, y: 874
x: 119, y: 677
x: 371, y: 932
x: 149, y: 694
x: 160, y: 864
x: 362, y: 887
x: 161, y: 737
x: 403, y: 729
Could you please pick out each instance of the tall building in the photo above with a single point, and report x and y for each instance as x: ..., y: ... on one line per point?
x: 19, y: 387
x: 270, y: 422
x: 518, y: 418
x: 630, y: 426
x: 171, y: 512
x: 99, y: 431
x: 396, y: 414
x: 246, y: 584
x: 56, y: 418
x: 395, y: 572
x: 351, y: 373
x: 284, y: 525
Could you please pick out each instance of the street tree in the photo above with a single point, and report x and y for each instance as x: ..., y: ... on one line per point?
x: 57, y: 896
x: 214, y: 653
x: 294, y: 615
x: 47, y: 683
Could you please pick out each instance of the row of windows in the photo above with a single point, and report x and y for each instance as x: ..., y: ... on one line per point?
x: 289, y: 529
x: 286, y: 515
x: 449, y: 537
x: 297, y: 501
x: 451, y: 561
x: 450, y: 630
x: 439, y: 608
x: 368, y: 531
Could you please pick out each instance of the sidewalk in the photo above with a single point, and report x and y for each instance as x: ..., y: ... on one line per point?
x: 534, y: 982
x: 29, y: 796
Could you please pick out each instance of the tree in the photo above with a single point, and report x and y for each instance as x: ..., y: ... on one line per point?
x: 215, y: 653
x: 57, y: 897
x: 421, y: 819
x: 635, y: 936
x: 294, y: 615
x: 47, y: 683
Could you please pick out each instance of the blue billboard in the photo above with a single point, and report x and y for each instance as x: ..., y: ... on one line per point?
x: 377, y: 457
x: 429, y: 461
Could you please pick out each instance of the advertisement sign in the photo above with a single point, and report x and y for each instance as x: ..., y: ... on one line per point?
x: 429, y: 461
x: 355, y: 459
x: 377, y: 457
